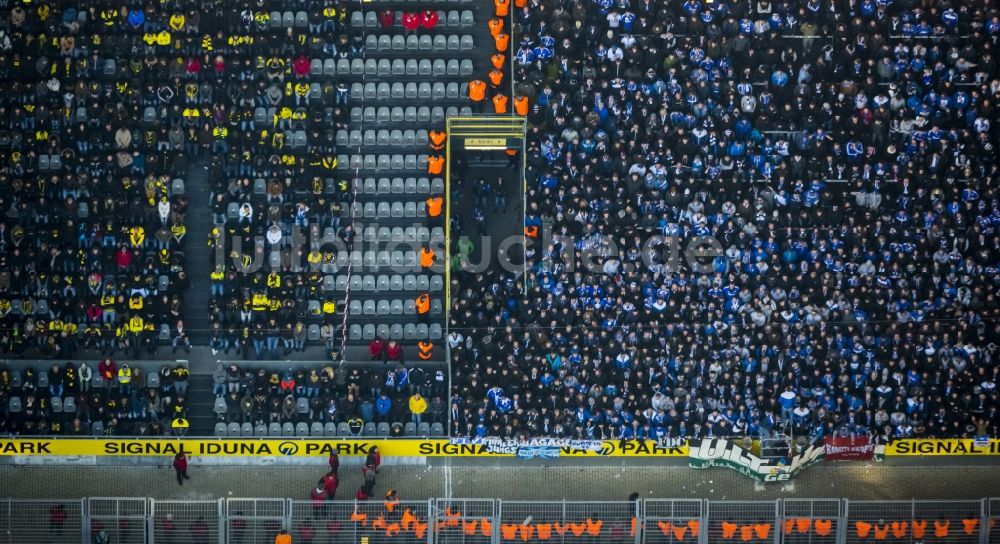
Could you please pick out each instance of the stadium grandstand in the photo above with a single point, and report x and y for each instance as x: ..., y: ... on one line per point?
x: 753, y: 234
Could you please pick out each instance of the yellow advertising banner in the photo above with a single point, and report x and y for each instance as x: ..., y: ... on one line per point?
x: 306, y: 447
x: 944, y: 446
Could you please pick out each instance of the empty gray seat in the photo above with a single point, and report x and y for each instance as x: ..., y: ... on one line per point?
x: 454, y: 42
x: 398, y: 43
x: 440, y: 43
x: 438, y: 91
x: 383, y: 429
x: 409, y: 331
x: 260, y: 430
x: 467, y: 42
x: 466, y: 18
x: 426, y: 43
x: 437, y: 429
x: 410, y: 429
x: 274, y: 429
x: 330, y: 429
x: 221, y: 429
x: 234, y: 429
x: 434, y: 331
x: 454, y: 19
x: 424, y: 429
x: 246, y: 429
x: 14, y: 405
x: 439, y: 67
x: 288, y: 429
x: 69, y: 405
x: 425, y: 68
x: 301, y: 429
x: 343, y: 429
x: 220, y: 406
x: 316, y: 429
x: 466, y: 67
x: 97, y: 428
x: 302, y: 405
x: 370, y: 429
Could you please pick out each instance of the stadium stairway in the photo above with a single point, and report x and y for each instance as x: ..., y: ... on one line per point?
x: 200, y: 404
x: 200, y: 266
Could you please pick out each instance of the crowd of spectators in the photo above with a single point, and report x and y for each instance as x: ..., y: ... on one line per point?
x: 96, y: 138
x: 843, y: 155
x: 110, y: 399
x: 362, y: 398
x: 273, y: 179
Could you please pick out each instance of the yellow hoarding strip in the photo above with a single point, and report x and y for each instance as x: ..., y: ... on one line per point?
x: 940, y: 447
x: 223, y: 447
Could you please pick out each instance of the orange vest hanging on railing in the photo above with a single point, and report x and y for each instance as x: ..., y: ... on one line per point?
x: 419, y: 529
x: 729, y: 529
x: 695, y: 526
x: 881, y: 531
x: 359, y: 517
x: 450, y: 516
x: 746, y: 533
x: 679, y: 531
x: 919, y: 528
x: 802, y: 525
x: 379, y: 523
x: 862, y: 528
x: 969, y: 525
x: 633, y: 526
x: 544, y: 531
x: 762, y: 530
x: 392, y: 530
x: 664, y: 527
x: 486, y: 527
x: 527, y: 531
x: 899, y: 529
x: 508, y: 531
x: 941, y: 528
x: 594, y: 527
x: 577, y: 528
x: 789, y: 524
x: 469, y: 527
x: 407, y: 520
x: 823, y: 527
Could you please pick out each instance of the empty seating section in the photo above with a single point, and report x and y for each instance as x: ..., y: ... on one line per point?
x: 336, y: 127
x: 81, y: 399
x: 324, y: 402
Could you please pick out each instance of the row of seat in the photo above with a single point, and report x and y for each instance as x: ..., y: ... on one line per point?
x: 446, y: 19
x: 395, y: 67
x: 384, y: 186
x: 398, y: 235
x: 396, y: 331
x: 384, y: 43
x: 385, y: 210
x: 318, y: 430
x: 384, y: 282
x: 410, y: 114
x: 382, y: 162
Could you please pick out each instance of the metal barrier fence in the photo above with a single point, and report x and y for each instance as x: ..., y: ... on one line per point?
x: 180, y: 522
x: 910, y: 522
x: 667, y: 521
x: 121, y: 520
x: 464, y: 521
x: 993, y: 521
x: 375, y: 522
